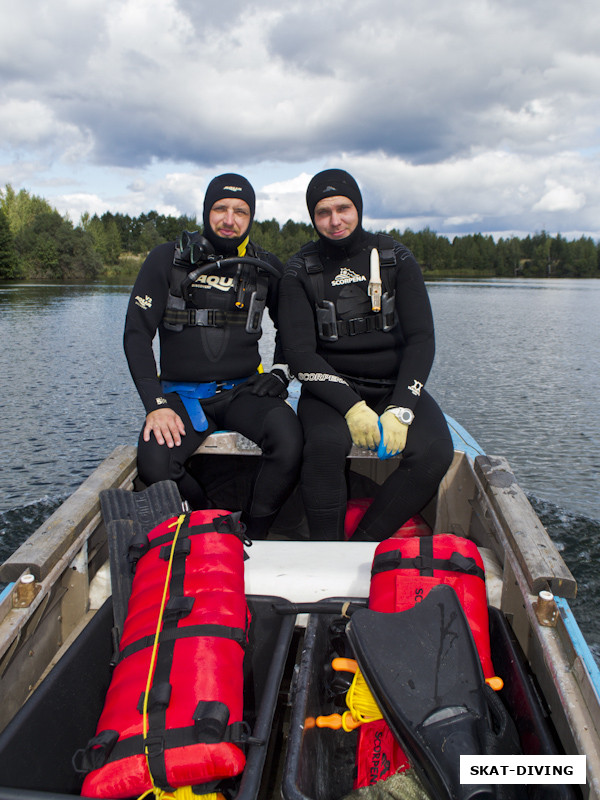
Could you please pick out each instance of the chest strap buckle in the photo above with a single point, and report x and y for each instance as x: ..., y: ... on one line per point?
x: 205, y: 317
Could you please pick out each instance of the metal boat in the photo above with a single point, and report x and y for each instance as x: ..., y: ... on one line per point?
x: 56, y: 620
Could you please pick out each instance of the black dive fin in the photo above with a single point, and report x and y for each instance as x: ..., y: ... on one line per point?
x: 127, y: 516
x: 120, y: 534
x: 150, y: 507
x: 424, y: 672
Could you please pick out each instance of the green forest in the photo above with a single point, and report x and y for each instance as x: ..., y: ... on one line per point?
x: 37, y: 242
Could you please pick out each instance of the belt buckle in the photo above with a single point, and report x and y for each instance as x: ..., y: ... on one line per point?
x: 203, y: 317
x: 154, y: 746
x: 224, y: 386
x: 356, y: 326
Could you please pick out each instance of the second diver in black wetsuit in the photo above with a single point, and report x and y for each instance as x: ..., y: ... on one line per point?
x: 362, y: 370
x: 209, y: 330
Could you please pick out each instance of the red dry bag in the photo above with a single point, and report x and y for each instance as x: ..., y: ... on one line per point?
x: 186, y: 729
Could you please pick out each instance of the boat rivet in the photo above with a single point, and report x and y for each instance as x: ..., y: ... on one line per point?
x: 546, y: 609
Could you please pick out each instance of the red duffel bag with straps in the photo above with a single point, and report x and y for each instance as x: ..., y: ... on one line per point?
x: 173, y: 715
x: 404, y: 570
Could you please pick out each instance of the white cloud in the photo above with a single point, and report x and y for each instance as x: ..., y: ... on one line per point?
x: 284, y: 200
x: 174, y: 194
x: 492, y: 192
x: 470, y: 115
x: 560, y: 198
x: 75, y: 205
x: 32, y: 124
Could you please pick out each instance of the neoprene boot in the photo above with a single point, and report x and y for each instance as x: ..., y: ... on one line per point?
x: 257, y: 527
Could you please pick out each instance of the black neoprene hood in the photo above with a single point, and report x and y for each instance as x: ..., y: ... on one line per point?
x: 333, y: 183
x: 227, y: 185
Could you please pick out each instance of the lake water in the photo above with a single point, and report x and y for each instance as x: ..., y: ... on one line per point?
x: 517, y: 363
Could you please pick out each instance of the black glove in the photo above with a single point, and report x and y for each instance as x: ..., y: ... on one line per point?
x: 269, y: 384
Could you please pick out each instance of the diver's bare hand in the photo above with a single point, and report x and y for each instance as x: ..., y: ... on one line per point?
x: 166, y: 425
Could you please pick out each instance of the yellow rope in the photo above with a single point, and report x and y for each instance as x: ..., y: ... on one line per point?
x: 182, y: 793
x: 160, y: 794
x: 186, y: 793
x: 361, y: 703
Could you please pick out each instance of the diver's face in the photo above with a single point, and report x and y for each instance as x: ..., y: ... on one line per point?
x: 336, y: 217
x: 229, y: 217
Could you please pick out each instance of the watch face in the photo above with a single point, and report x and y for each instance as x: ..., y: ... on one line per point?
x: 406, y: 416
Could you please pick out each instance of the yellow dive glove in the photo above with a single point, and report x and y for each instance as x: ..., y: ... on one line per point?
x: 363, y: 424
x: 393, y: 430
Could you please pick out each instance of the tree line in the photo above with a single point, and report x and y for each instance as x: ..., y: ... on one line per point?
x: 37, y: 242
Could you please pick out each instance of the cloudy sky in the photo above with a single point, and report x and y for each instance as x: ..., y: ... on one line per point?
x: 464, y: 116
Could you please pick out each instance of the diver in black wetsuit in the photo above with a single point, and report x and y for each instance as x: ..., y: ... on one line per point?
x: 360, y: 368
x: 209, y: 356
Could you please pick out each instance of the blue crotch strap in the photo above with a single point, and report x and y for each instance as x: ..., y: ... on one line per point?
x: 192, y: 393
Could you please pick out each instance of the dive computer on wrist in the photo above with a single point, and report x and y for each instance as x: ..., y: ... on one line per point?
x: 404, y: 415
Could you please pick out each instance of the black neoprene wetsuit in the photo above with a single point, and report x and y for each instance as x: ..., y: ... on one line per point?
x: 382, y: 367
x: 201, y: 354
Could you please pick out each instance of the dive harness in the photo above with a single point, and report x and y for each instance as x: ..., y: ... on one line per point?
x: 384, y: 318
x: 194, y: 256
